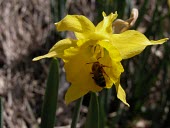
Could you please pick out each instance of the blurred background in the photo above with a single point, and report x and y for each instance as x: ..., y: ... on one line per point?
x: 27, y: 30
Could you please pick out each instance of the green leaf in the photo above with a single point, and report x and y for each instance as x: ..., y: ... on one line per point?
x: 104, y: 102
x: 76, y: 112
x: 57, y: 9
x: 93, y: 112
x: 51, y: 95
x: 1, y: 114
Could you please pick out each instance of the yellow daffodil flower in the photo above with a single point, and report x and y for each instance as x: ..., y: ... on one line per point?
x: 93, y: 60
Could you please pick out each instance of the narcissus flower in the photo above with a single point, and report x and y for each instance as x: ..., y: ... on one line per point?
x: 93, y: 59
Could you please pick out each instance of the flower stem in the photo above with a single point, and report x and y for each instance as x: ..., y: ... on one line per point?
x: 51, y: 96
x: 1, y: 115
x: 76, y: 112
x: 92, y: 120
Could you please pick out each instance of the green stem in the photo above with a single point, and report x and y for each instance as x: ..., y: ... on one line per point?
x: 51, y: 96
x: 76, y: 112
x: 1, y: 114
x: 93, y: 112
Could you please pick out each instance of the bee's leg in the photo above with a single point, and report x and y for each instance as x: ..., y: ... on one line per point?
x: 90, y: 63
x: 95, y: 61
x: 105, y: 73
x: 99, y: 58
x: 105, y: 66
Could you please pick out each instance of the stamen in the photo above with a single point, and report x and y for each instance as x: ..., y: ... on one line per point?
x: 97, y: 51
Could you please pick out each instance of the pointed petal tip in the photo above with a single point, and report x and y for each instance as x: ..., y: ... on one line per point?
x: 37, y: 58
x: 34, y: 59
x: 40, y: 57
x: 48, y: 55
x: 124, y: 101
x: 161, y: 41
x: 104, y: 14
x: 56, y: 24
x: 127, y: 104
x: 166, y: 39
x: 67, y: 100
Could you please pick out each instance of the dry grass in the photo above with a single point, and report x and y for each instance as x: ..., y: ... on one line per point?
x: 24, y: 27
x: 24, y: 30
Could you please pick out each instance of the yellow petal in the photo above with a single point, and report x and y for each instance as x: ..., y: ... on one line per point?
x: 82, y: 84
x: 79, y: 24
x: 48, y: 55
x: 161, y: 41
x: 112, y: 50
x: 168, y: 3
x: 102, y: 30
x: 77, y: 67
x: 72, y: 51
x: 78, y: 73
x: 121, y: 94
x: 75, y: 92
x: 115, y: 71
x: 93, y: 36
x: 58, y: 49
x: 112, y: 70
x: 75, y: 60
x: 105, y: 26
x: 111, y: 61
x: 131, y: 43
x: 75, y: 23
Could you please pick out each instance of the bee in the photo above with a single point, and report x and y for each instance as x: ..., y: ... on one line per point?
x: 98, y: 74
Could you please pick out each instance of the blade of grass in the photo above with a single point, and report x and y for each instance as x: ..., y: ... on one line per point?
x: 57, y: 10
x: 1, y: 116
x: 103, y: 107
x: 51, y: 95
x: 93, y: 112
x: 76, y: 112
x: 54, y: 10
x: 61, y: 9
x: 142, y: 12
